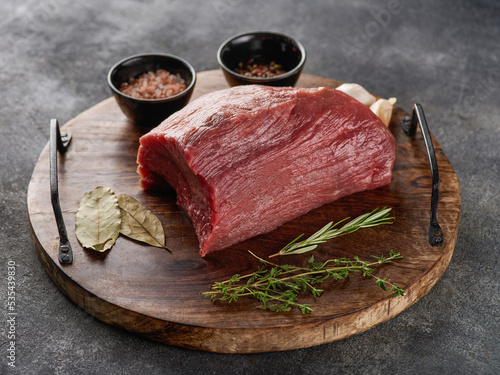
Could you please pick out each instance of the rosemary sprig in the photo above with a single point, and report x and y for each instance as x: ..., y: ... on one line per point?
x: 278, y: 287
x: 370, y: 219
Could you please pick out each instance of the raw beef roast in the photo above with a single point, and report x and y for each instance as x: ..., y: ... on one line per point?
x: 247, y: 159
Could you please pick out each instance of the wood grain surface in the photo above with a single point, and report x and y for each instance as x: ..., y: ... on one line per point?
x: 151, y: 292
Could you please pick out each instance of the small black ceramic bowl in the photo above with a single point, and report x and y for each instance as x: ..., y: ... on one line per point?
x: 262, y: 47
x: 150, y: 112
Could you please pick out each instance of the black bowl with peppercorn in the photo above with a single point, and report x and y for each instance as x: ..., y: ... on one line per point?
x: 264, y: 58
x: 150, y: 87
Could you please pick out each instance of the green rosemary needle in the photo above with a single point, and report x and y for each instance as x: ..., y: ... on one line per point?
x: 277, y: 287
x: 370, y: 219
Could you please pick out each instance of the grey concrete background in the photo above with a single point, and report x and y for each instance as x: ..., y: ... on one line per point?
x: 54, y: 56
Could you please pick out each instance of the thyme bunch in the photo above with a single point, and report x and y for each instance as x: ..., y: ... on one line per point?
x: 277, y: 287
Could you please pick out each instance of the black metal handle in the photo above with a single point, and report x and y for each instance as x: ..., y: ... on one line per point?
x: 410, y: 127
x: 59, y: 141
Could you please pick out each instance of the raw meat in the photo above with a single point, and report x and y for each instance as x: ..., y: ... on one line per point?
x: 247, y: 159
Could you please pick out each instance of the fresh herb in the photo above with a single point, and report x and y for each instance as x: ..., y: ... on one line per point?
x: 370, y: 219
x: 278, y: 287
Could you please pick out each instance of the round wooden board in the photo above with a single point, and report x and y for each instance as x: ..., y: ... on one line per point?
x: 154, y: 293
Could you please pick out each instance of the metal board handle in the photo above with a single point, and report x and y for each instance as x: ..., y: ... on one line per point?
x: 409, y: 125
x: 59, y: 141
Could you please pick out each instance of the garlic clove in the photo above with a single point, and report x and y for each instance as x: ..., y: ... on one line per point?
x: 383, y: 109
x: 358, y: 92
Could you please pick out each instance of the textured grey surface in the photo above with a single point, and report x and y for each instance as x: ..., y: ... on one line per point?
x: 54, y: 56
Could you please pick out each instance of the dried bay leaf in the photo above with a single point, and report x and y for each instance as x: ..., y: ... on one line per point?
x: 139, y: 223
x: 98, y: 219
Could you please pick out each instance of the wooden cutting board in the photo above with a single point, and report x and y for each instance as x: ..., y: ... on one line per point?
x: 149, y: 291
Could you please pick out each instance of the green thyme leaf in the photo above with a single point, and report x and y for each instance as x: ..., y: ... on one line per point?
x: 278, y: 287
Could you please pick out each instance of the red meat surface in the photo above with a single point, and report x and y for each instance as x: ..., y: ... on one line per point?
x: 247, y: 159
